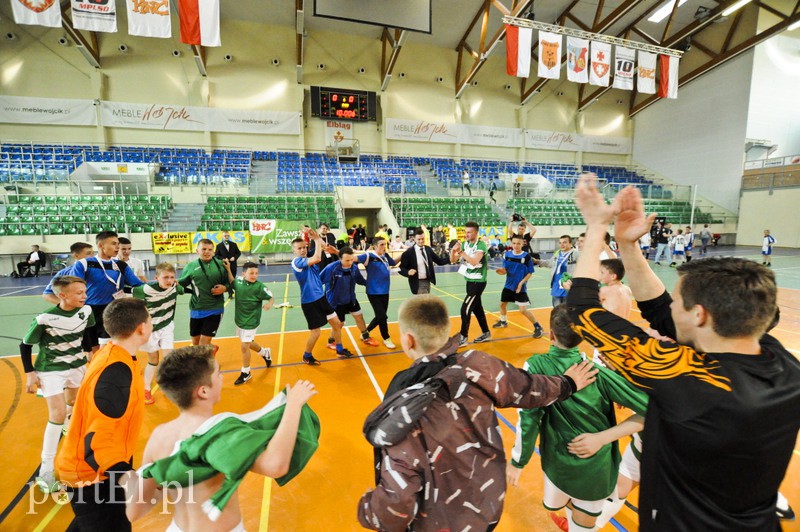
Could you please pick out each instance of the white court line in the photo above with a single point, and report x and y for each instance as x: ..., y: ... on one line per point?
x: 23, y: 290
x: 366, y: 366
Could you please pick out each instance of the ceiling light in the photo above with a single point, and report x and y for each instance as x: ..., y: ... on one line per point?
x: 664, y: 11
x: 794, y: 26
x: 735, y: 7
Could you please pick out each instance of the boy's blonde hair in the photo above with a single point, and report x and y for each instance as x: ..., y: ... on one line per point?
x: 60, y: 283
x: 425, y: 316
x: 165, y: 267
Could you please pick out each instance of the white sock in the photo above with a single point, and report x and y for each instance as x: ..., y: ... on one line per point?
x: 246, y: 369
x: 782, y: 504
x: 503, y: 317
x: 149, y: 373
x: 52, y: 433
x: 610, y: 509
x: 265, y: 352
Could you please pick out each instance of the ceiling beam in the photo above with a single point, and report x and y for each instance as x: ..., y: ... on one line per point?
x: 199, y: 54
x: 668, y: 25
x: 598, y: 12
x: 724, y: 57
x: 395, y: 41
x: 300, y: 38
x: 87, y: 47
x: 770, y: 9
x: 731, y: 31
x: 706, y: 50
x: 604, y: 25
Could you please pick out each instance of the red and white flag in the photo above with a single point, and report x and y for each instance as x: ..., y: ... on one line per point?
x: 37, y: 12
x: 668, y: 83
x: 601, y: 64
x: 646, y: 73
x: 95, y: 15
x: 518, y: 51
x: 550, y: 55
x: 199, y: 22
x: 149, y: 19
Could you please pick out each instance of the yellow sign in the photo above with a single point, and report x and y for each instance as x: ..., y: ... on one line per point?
x: 172, y: 243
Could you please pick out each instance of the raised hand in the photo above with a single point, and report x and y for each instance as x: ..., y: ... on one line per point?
x: 632, y: 222
x: 591, y: 203
x: 301, y: 392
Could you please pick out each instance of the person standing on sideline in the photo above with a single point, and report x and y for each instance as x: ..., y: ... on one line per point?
x: 34, y: 260
x: 705, y: 238
x: 679, y: 248
x: 644, y: 245
x: 135, y: 264
x: 688, y: 235
x: 416, y: 263
x: 227, y: 249
x: 518, y: 268
x: 378, y: 265
x: 465, y: 182
x: 766, y: 247
x: 452, y: 234
x: 492, y: 190
x: 475, y: 254
x: 207, y: 280
x: 663, y: 235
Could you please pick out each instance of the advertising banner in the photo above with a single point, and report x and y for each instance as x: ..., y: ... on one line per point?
x: 55, y: 111
x: 241, y: 238
x: 422, y: 131
x: 172, y: 243
x: 254, y: 121
x: 274, y: 236
x: 553, y: 140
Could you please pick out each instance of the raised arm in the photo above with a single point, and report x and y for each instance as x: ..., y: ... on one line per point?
x: 317, y: 256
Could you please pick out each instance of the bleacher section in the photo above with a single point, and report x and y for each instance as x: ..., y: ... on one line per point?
x: 234, y: 213
x: 42, y: 162
x: 412, y: 212
x: 75, y: 215
x: 318, y: 173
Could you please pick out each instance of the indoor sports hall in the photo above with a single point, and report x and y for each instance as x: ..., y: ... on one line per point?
x: 172, y: 122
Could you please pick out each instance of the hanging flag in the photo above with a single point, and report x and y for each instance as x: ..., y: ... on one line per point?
x: 518, y: 51
x: 549, y: 55
x: 668, y: 83
x: 199, y: 22
x: 95, y: 15
x: 577, y: 60
x: 149, y: 18
x: 646, y: 73
x: 600, y: 64
x: 624, y: 61
x: 37, y: 12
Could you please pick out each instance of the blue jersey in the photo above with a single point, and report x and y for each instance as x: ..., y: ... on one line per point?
x: 308, y: 277
x: 517, y: 267
x: 104, y: 278
x: 66, y: 271
x: 340, y: 283
x: 377, y: 272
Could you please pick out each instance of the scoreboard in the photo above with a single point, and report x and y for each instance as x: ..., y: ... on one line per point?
x: 343, y: 104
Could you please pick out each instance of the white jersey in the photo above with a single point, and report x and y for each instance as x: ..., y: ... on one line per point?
x: 645, y: 240
x: 136, y: 265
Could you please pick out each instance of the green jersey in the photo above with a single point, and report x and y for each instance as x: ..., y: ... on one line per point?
x: 202, y: 277
x: 588, y: 411
x: 160, y: 302
x: 475, y: 274
x: 248, y: 302
x: 59, y: 334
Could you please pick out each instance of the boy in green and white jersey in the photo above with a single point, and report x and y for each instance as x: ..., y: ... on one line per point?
x: 160, y: 297
x: 249, y: 294
x: 474, y: 254
x: 60, y: 364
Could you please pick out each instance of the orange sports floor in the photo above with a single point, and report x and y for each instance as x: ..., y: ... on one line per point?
x: 325, y: 494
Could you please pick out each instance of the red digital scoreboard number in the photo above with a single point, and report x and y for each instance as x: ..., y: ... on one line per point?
x: 343, y: 104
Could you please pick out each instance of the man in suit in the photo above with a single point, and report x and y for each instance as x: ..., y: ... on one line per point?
x: 33, y: 261
x: 228, y: 250
x: 417, y: 263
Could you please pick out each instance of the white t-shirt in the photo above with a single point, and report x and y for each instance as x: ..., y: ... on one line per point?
x: 136, y: 265
x: 645, y: 240
x: 34, y: 256
x: 680, y: 242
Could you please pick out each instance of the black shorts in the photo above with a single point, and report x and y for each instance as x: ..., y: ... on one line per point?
x: 510, y: 296
x: 351, y: 308
x: 93, y: 334
x: 317, y: 312
x: 204, y: 326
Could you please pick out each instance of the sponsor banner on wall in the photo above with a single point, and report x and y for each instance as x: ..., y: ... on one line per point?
x: 775, y: 161
x: 55, y: 111
x: 617, y: 145
x: 254, y: 121
x: 553, y: 140
x: 491, y: 136
x: 274, y: 236
x: 241, y: 238
x: 172, y: 243
x: 421, y: 131
x: 185, y: 118
x: 753, y: 165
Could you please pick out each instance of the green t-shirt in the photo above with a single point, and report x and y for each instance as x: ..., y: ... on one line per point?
x: 476, y: 274
x: 160, y: 302
x: 202, y: 277
x: 248, y: 302
x: 590, y: 410
x: 59, y: 334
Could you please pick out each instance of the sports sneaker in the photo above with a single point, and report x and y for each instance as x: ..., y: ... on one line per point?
x: 388, y: 343
x: 787, y: 514
x: 485, y: 337
x: 672, y: 264
x: 310, y: 360
x: 332, y: 345
x: 243, y: 378
x: 538, y: 330
x: 148, y: 398
x: 658, y: 263
x: 46, y: 481
x: 500, y: 324
x: 462, y: 340
x: 370, y: 341
x: 561, y: 522
x: 267, y: 359
x: 344, y: 353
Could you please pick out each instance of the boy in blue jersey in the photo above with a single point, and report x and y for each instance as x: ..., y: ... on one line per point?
x: 563, y: 264
x: 340, y: 279
x: 378, y: 265
x: 518, y: 268
x: 316, y: 307
x: 77, y: 251
x: 105, y: 278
